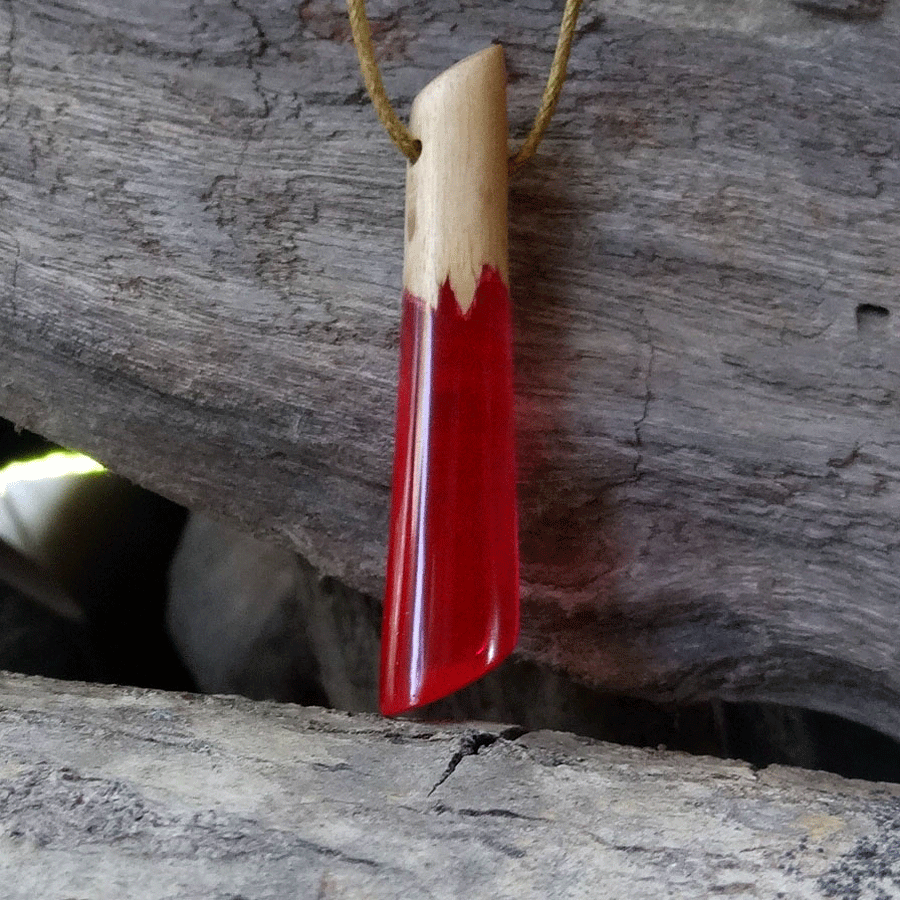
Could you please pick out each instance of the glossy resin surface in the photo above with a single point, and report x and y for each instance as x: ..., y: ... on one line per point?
x: 452, y: 599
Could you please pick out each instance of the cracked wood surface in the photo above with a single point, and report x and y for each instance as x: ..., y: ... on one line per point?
x: 107, y: 792
x: 200, y: 260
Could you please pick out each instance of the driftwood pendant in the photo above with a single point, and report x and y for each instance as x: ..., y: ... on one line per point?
x: 451, y: 609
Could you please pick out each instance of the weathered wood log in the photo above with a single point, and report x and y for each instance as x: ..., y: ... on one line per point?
x: 107, y: 792
x: 200, y: 218
x: 253, y: 619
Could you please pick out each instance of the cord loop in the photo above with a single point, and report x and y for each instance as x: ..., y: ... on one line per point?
x: 399, y: 133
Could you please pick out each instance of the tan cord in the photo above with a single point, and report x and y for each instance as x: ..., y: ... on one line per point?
x: 399, y: 133
x: 362, y: 37
x: 555, y: 81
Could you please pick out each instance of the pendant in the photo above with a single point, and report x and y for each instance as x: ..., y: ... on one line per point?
x: 451, y: 610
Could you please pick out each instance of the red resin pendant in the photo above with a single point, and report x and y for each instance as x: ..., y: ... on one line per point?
x: 452, y: 601
x: 451, y: 608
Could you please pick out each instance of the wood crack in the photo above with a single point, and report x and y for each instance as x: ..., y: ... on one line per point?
x: 14, y: 281
x: 470, y: 744
x: 262, y: 45
x: 636, y: 473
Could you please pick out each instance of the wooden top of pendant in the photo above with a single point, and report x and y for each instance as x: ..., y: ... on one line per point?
x: 456, y: 192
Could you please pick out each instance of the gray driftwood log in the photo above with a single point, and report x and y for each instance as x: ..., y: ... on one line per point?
x: 108, y: 793
x: 200, y: 233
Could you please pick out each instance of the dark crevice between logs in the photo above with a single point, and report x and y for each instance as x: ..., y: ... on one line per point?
x: 123, y: 640
x: 113, y: 541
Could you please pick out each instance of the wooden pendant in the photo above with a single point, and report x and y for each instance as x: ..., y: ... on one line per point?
x: 451, y: 609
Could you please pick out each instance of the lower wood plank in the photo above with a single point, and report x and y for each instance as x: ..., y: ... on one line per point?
x: 108, y: 792
x: 200, y: 219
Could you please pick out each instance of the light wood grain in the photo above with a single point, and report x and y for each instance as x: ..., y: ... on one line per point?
x: 200, y: 263
x: 456, y: 192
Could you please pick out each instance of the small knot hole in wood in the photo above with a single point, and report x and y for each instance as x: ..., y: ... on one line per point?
x: 871, y: 319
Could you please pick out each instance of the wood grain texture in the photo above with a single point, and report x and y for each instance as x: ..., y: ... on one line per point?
x: 105, y: 791
x: 457, y: 191
x: 200, y: 247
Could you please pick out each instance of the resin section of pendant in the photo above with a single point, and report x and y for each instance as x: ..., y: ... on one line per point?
x: 451, y: 609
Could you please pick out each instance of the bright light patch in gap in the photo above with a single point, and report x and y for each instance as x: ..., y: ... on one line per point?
x: 58, y: 464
